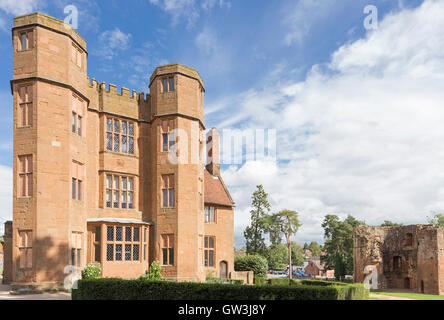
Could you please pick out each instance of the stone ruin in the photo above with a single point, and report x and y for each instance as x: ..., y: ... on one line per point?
x: 409, y: 258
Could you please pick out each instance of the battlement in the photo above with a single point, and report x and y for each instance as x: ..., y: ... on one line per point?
x: 38, y: 18
x: 111, y: 89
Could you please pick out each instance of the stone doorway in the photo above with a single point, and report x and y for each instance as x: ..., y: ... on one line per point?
x: 407, y: 283
x: 223, y: 270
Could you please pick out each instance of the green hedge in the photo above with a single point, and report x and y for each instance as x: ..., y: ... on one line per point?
x: 118, y: 289
x: 255, y: 263
x: 321, y: 283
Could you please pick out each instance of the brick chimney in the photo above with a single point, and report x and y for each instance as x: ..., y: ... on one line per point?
x: 213, y: 164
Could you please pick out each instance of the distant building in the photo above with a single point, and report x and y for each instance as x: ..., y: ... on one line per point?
x: 316, y: 269
x: 403, y: 257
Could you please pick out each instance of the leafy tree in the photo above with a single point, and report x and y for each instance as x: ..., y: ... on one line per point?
x: 305, y: 246
x: 91, y: 271
x: 255, y: 263
x: 286, y: 223
x: 437, y: 220
x: 296, y: 254
x: 388, y: 223
x: 339, y: 244
x: 277, y: 256
x: 255, y: 243
x: 315, y: 249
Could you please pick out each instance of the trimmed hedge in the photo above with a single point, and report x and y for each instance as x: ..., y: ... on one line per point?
x: 119, y: 289
x: 322, y: 283
x: 255, y: 263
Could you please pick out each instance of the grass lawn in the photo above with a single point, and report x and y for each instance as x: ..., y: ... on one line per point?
x: 417, y: 296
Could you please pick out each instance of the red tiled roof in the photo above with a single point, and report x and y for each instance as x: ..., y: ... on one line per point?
x: 215, y: 191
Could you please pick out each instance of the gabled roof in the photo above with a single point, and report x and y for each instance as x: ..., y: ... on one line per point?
x: 215, y: 191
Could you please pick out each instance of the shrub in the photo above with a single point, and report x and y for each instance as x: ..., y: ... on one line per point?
x: 224, y: 281
x: 258, y: 280
x: 118, y: 289
x: 91, y: 271
x: 321, y: 283
x: 283, y: 282
x: 154, y: 273
x: 255, y: 263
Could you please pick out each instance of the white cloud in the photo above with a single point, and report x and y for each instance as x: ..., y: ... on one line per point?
x: 301, y: 16
x: 188, y: 10
x: 5, y: 195
x: 19, y: 7
x: 362, y: 135
x: 111, y: 42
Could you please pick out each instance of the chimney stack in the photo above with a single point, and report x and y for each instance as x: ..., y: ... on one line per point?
x: 213, y: 164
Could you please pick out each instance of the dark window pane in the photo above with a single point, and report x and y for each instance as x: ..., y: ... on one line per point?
x: 116, y: 126
x: 165, y: 197
x: 124, y: 126
x: 171, y: 84
x: 109, y: 141
x: 206, y: 258
x: 136, y: 236
x: 118, y: 252
x: 109, y: 125
x: 165, y: 256
x: 118, y: 234
x: 135, y: 252
x: 128, y: 234
x: 109, y: 252
x: 171, y: 197
x: 23, y: 38
x: 211, y: 242
x: 73, y: 257
x: 98, y: 233
x: 210, y: 258
x: 171, y: 257
x: 116, y: 142
x: 73, y: 122
x: 130, y: 145
x: 131, y: 129
x: 110, y: 233
x: 165, y: 85
x: 79, y: 126
x: 79, y: 190
x: 164, y: 142
x: 74, y: 183
x: 127, y: 252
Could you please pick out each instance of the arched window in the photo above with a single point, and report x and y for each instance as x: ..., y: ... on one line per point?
x: 397, y: 263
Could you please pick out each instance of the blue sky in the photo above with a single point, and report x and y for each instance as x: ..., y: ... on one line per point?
x: 350, y: 140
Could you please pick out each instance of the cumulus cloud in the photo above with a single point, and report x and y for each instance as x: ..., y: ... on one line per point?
x: 361, y: 135
x: 19, y: 7
x: 111, y: 42
x: 188, y: 10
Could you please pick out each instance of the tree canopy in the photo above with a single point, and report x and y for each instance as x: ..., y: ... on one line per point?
x: 339, y: 244
x: 437, y: 220
x: 255, y: 242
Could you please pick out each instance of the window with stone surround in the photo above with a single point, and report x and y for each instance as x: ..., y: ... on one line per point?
x: 168, y: 141
x: 168, y: 84
x: 209, y: 249
x: 25, y: 249
x: 25, y: 107
x: 210, y: 214
x: 76, y: 55
x: 77, y: 112
x: 120, y: 136
x: 167, y: 249
x: 168, y: 190
x: 26, y: 40
x: 25, y: 169
x: 77, y: 181
x: 76, y: 248
x: 123, y: 243
x: 119, y: 192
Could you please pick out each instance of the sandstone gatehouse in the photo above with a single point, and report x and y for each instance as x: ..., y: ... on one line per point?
x: 116, y: 178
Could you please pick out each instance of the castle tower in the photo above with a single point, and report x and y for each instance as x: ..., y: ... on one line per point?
x: 177, y: 171
x: 50, y: 148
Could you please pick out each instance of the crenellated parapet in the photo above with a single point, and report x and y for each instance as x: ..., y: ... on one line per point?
x: 125, y: 102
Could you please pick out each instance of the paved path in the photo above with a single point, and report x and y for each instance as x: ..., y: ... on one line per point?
x: 4, y: 295
x: 384, y: 297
